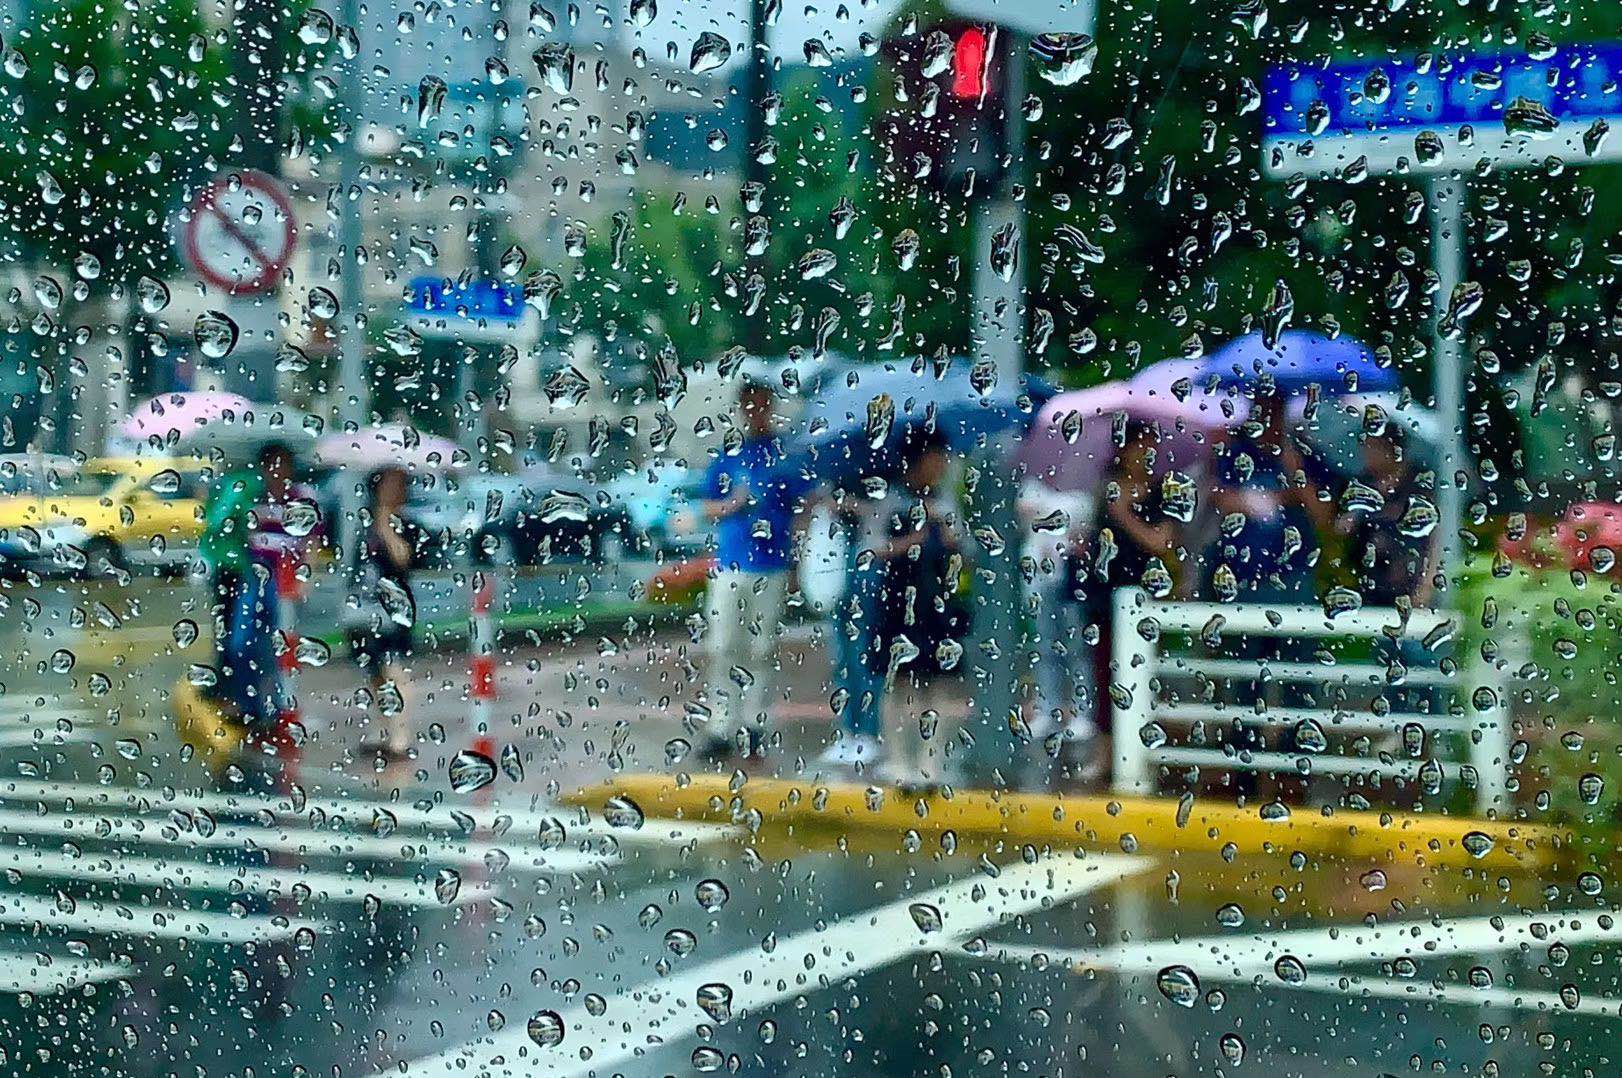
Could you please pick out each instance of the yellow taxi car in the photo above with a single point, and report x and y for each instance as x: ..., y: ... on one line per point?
x: 113, y: 514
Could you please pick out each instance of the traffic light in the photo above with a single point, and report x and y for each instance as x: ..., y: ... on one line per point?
x: 971, y: 54
x: 945, y: 128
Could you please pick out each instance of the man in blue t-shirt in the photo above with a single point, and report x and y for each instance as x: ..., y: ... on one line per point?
x: 753, y: 496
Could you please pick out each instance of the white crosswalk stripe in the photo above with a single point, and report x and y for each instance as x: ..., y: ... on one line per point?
x: 164, y: 923
x: 157, y: 831
x: 101, y: 868
x: 39, y: 973
x: 487, y: 819
x: 188, y: 875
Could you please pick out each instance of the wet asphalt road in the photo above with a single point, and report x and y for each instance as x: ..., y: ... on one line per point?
x: 368, y: 923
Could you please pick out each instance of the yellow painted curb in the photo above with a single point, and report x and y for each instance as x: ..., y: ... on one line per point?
x: 1086, y: 821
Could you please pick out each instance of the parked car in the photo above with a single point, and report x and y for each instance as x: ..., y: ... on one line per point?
x: 113, y: 514
x: 555, y: 515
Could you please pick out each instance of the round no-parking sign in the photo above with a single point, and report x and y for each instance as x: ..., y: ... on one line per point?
x: 238, y: 233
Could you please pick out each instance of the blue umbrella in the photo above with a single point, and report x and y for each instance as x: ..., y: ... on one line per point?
x: 1302, y: 359
x: 839, y: 439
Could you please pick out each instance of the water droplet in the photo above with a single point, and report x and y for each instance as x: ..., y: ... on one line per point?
x: 926, y: 917
x: 1290, y: 970
x: 323, y: 304
x: 471, y: 771
x: 447, y: 883
x: 1230, y: 915
x: 216, y: 334
x: 1179, y: 984
x: 1591, y: 788
x: 555, y: 62
x: 566, y: 387
x: 817, y: 262
x: 1524, y: 116
x: 315, y: 28
x: 622, y: 812
x: 152, y: 294
x: 710, y: 51
x: 1478, y: 844
x: 715, y: 1000
x: 711, y: 895
x: 1233, y: 1048
x: 1064, y: 59
x: 546, y: 1029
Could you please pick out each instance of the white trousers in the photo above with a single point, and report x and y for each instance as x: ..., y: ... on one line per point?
x: 745, y: 614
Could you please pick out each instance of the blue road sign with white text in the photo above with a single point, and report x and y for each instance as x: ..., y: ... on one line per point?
x: 493, y: 301
x: 1362, y: 116
x: 1438, y: 90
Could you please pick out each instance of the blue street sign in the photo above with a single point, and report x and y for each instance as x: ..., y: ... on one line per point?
x: 1560, y: 103
x: 1436, y: 90
x: 490, y: 301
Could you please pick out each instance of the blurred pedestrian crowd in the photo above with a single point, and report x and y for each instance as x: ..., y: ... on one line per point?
x: 1164, y: 485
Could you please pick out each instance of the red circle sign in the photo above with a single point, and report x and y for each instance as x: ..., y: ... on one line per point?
x: 238, y: 233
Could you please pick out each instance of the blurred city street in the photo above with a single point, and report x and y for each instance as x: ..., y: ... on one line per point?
x: 436, y: 928
x: 889, y: 539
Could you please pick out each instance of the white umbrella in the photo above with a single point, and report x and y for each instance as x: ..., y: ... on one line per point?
x: 396, y: 444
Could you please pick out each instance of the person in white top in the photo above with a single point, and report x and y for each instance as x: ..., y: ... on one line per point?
x: 1057, y: 525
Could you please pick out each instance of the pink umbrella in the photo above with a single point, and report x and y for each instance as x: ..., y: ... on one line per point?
x: 1070, y: 445
x: 179, y: 415
x: 371, y: 448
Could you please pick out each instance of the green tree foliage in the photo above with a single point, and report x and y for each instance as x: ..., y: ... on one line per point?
x: 106, y: 111
x: 1190, y: 264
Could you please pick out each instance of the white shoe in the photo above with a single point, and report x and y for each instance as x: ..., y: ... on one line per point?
x: 850, y: 750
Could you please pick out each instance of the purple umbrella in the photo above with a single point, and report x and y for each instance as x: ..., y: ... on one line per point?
x: 179, y: 415
x: 395, y: 444
x: 1301, y: 359
x: 1071, y: 444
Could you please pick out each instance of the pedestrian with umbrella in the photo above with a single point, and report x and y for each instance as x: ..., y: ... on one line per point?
x: 1269, y: 490
x: 856, y: 430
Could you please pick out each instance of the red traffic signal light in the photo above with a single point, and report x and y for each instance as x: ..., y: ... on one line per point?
x: 971, y: 64
x: 948, y: 123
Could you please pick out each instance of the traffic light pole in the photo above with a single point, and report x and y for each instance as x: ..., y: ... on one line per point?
x: 1447, y: 195
x: 757, y: 84
x: 354, y: 388
x: 998, y: 658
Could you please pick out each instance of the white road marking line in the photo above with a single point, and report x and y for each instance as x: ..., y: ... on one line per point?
x: 1250, y: 958
x: 119, y: 869
x: 16, y: 712
x: 40, y: 737
x: 40, y: 973
x: 1460, y: 995
x: 665, y: 1010
x: 93, y: 797
x: 149, y: 922
x: 85, y: 825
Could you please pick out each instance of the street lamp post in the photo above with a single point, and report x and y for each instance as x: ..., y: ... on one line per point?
x: 354, y: 395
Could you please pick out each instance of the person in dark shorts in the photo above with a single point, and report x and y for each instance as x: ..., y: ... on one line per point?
x: 917, y: 638
x: 381, y: 641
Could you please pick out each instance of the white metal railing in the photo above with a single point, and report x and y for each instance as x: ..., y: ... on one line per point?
x: 1141, y: 668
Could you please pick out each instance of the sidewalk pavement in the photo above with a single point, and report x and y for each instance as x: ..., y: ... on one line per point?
x: 579, y: 711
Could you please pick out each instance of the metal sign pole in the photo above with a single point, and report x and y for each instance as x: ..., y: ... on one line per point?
x: 998, y: 656
x: 1447, y: 195
x: 354, y: 387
